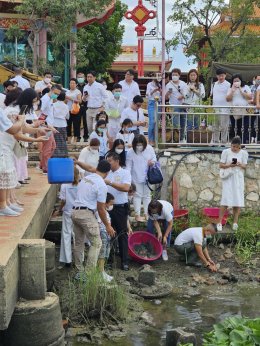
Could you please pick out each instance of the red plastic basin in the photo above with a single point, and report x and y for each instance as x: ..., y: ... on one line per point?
x: 140, y: 237
x: 213, y: 213
x: 181, y: 217
x: 178, y: 213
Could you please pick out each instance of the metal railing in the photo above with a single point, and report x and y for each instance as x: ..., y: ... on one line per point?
x: 205, y: 125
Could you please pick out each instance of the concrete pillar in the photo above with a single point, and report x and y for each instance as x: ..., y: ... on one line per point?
x: 32, y: 283
x: 43, y: 44
x: 50, y: 264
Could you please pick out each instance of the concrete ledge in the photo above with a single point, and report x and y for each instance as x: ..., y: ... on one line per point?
x: 39, y: 198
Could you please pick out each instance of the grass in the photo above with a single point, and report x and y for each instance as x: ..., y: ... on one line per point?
x: 93, y: 299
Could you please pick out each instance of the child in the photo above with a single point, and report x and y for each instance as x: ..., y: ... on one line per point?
x: 125, y: 134
x: 68, y: 193
x: 60, y: 114
x: 105, y: 248
x: 100, y: 134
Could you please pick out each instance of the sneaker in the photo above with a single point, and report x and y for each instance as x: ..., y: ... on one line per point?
x: 16, y: 207
x: 44, y: 172
x: 107, y: 277
x: 219, y: 227
x: 165, y: 255
x: 235, y: 227
x: 8, y: 212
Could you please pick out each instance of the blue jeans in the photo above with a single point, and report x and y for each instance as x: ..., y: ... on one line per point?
x: 151, y: 229
x: 151, y: 108
x: 179, y: 120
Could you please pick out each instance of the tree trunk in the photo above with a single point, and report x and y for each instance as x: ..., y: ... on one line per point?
x: 32, y: 40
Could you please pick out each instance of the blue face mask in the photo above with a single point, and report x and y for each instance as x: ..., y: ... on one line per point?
x: 208, y: 236
x: 117, y: 94
x: 54, y: 96
x: 100, y: 129
x: 130, y: 129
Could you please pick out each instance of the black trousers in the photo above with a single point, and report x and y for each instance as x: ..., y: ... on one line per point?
x: 119, y: 216
x: 75, y: 121
x: 83, y: 116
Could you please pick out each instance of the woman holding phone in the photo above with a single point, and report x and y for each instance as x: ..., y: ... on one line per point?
x: 232, y: 164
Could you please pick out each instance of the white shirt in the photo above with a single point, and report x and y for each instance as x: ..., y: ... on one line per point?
x: 219, y: 93
x: 22, y: 82
x: 131, y: 114
x: 68, y: 193
x: 88, y: 157
x: 194, y: 235
x: 103, y: 142
x: 74, y: 95
x: 129, y: 91
x: 178, y: 90
x: 47, y: 108
x: 5, y: 123
x: 121, y: 176
x: 137, y: 163
x: 96, y: 95
x: 114, y: 108
x: 127, y: 138
x: 2, y: 100
x: 60, y: 114
x: 238, y: 99
x: 91, y: 189
x: 167, y: 212
x: 151, y: 86
x: 192, y: 98
x: 40, y: 86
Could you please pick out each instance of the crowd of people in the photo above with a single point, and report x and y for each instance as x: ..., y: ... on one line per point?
x: 111, y: 170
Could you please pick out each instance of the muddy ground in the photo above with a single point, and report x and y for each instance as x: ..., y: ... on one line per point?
x: 186, y: 282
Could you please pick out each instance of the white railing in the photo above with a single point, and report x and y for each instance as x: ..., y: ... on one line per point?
x: 205, y: 125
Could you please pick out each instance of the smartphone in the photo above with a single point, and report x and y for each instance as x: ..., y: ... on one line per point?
x: 23, y: 109
x: 48, y: 134
x: 234, y: 161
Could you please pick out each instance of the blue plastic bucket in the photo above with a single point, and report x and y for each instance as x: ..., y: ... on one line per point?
x: 60, y: 171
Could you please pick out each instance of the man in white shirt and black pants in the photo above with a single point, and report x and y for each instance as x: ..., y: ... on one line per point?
x: 91, y: 196
x: 95, y: 94
x: 119, y: 182
x: 129, y: 87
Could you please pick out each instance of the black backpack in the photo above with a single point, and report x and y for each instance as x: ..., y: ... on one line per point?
x: 154, y: 175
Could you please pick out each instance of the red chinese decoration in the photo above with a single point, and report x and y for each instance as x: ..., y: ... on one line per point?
x: 140, y: 15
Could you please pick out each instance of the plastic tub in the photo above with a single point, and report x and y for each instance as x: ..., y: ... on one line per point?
x: 140, y: 237
x: 213, y: 213
x: 60, y: 171
x: 181, y: 217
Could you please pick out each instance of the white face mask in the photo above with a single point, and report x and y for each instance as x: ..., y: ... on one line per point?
x: 139, y: 148
x: 93, y: 151
x: 237, y: 84
x: 47, y: 80
x: 110, y: 208
x: 155, y: 216
x: 175, y: 78
x: 130, y: 199
x: 119, y: 151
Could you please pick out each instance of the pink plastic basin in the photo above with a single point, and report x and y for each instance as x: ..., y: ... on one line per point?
x: 140, y: 237
x: 178, y: 213
x: 213, y: 213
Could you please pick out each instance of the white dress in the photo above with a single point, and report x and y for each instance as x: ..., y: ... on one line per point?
x: 233, y: 186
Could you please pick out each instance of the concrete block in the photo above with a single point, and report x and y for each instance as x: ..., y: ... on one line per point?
x: 32, y: 283
x: 178, y: 336
x: 146, y: 277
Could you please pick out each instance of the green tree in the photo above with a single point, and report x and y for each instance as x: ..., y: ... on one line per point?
x: 14, y: 33
x: 99, y: 44
x: 59, y: 17
x: 231, y: 42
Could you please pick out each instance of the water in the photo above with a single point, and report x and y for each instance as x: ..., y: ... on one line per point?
x: 199, y: 312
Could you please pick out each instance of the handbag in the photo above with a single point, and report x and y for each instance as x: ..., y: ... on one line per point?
x: 154, y: 175
x: 225, y: 173
x: 137, y: 131
x: 19, y: 150
x: 75, y: 108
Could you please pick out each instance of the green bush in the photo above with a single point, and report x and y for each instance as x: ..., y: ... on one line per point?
x: 234, y: 331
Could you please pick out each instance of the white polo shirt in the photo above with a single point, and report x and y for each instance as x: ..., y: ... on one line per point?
x: 121, y: 176
x: 96, y: 95
x: 131, y: 114
x: 60, y: 114
x: 68, y: 193
x: 219, y: 93
x: 91, y: 189
x: 178, y: 90
x: 167, y: 212
x: 47, y: 108
x: 127, y: 138
x: 5, y: 123
x: 22, y: 82
x: 129, y: 91
x: 114, y: 107
x: 194, y: 235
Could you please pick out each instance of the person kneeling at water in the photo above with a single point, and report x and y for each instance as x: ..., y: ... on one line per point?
x: 161, y: 210
x: 192, y: 243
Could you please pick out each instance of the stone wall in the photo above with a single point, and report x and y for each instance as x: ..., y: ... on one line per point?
x: 199, y: 183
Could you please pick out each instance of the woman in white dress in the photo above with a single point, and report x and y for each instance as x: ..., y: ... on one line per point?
x: 233, y: 163
x: 138, y: 159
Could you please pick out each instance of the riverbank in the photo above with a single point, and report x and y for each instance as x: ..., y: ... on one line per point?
x: 189, y: 286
